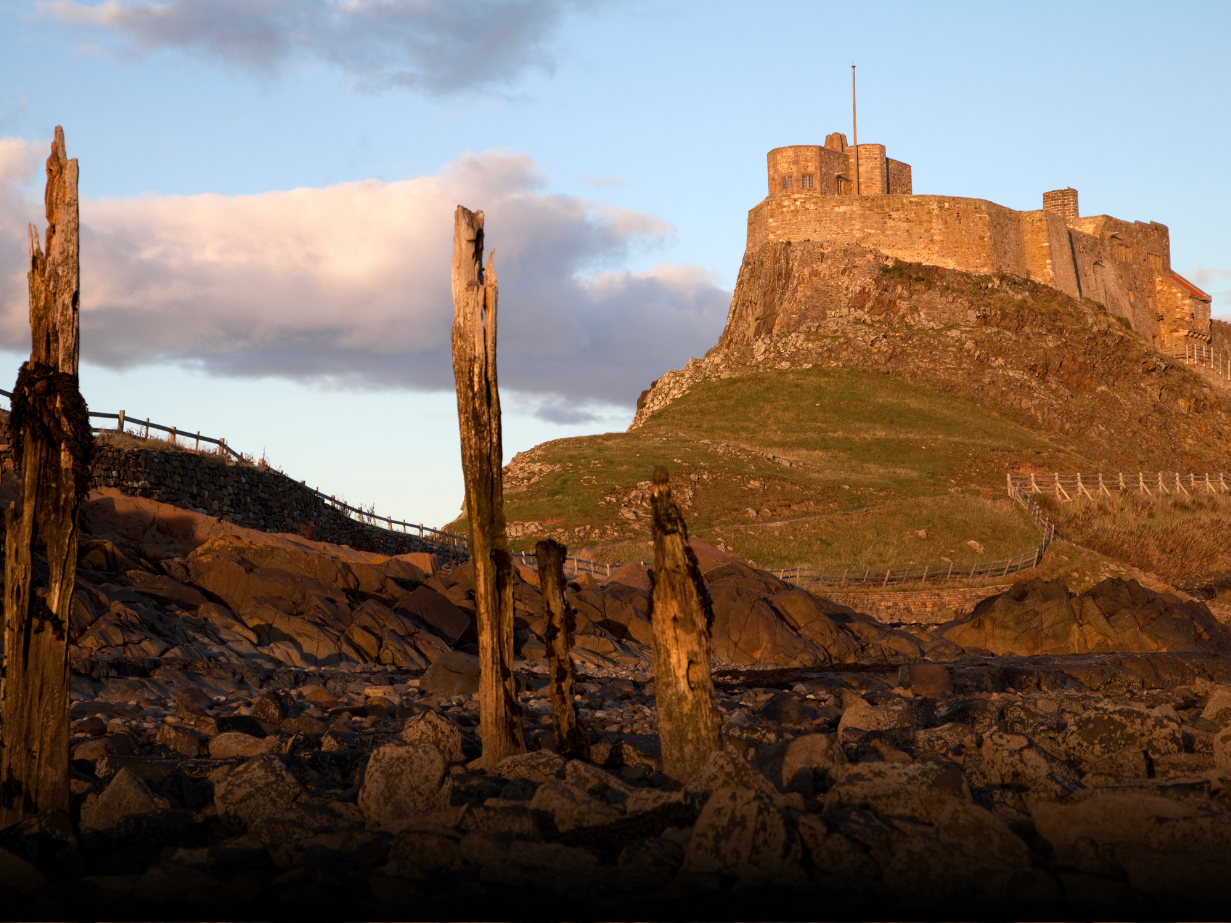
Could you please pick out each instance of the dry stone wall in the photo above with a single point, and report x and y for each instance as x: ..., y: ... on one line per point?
x: 252, y: 497
x: 918, y: 607
x: 255, y: 498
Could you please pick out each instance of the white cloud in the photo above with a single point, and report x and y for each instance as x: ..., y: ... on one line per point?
x: 1217, y: 283
x: 349, y: 285
x: 19, y: 206
x: 434, y: 47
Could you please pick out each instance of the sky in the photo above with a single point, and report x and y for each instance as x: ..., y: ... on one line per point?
x: 268, y: 188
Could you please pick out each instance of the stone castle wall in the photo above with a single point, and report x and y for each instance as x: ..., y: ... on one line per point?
x: 973, y: 235
x: 1124, y: 266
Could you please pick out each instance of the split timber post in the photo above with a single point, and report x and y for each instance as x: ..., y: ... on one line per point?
x: 53, y: 445
x: 478, y: 418
x: 571, y: 740
x: 682, y: 617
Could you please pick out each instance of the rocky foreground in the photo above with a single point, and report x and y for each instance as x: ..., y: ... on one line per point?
x: 267, y: 727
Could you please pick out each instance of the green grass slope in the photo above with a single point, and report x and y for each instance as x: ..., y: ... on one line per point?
x: 810, y: 466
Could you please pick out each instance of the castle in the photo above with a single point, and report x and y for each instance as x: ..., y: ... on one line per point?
x: 1124, y: 266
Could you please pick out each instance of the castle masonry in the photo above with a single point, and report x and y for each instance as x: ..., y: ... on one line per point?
x: 1124, y: 266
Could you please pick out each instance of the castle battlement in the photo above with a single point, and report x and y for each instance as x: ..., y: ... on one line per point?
x: 1124, y: 266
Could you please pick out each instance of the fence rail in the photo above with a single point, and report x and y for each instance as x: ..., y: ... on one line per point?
x: 1194, y: 352
x: 180, y: 437
x: 938, y: 573
x: 1069, y: 487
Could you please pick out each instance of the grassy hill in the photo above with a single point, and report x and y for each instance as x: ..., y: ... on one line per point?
x: 881, y: 436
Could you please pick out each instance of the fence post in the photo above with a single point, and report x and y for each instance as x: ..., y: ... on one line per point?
x: 120, y: 426
x: 888, y: 570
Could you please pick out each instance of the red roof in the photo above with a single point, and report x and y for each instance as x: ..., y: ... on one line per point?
x: 1189, y: 287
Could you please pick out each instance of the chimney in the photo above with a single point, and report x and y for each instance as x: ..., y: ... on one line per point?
x: 1061, y: 201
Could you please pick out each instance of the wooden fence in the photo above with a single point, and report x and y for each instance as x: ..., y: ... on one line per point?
x: 181, y: 438
x: 936, y: 573
x: 1194, y: 352
x: 1069, y: 487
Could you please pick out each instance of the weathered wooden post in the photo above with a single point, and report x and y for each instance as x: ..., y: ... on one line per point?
x: 688, y: 719
x: 478, y: 418
x: 52, y: 445
x: 571, y: 740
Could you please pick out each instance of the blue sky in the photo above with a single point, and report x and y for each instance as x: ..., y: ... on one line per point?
x: 267, y: 187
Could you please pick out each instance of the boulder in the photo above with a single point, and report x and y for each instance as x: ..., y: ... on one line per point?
x: 401, y: 782
x: 922, y: 791
x: 927, y: 679
x: 1042, y: 617
x: 435, y: 610
x: 744, y: 834
x: 808, y: 764
x: 1014, y: 761
x: 726, y: 770
x: 1103, y: 833
x: 19, y: 875
x: 539, y: 766
x: 1106, y: 729
x: 631, y: 575
x: 126, y: 794
x: 452, y: 673
x: 429, y: 729
x: 236, y: 743
x: 261, y: 788
x: 747, y: 630
x: 182, y: 740
x: 571, y: 807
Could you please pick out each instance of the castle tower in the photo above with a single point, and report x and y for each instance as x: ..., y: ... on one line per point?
x: 807, y: 169
x: 1062, y: 202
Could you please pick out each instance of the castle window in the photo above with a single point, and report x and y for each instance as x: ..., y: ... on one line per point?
x: 844, y: 186
x: 1123, y: 253
x: 1154, y: 261
x: 807, y: 181
x: 787, y: 182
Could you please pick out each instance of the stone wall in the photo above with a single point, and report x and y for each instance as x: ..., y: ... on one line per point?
x: 256, y: 498
x: 247, y: 496
x: 920, y: 607
x: 973, y: 235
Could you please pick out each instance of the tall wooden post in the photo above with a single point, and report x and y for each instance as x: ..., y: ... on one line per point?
x: 478, y: 418
x: 52, y: 445
x: 571, y: 740
x: 688, y: 719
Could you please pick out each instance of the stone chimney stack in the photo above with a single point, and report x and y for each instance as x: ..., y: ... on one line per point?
x: 1061, y: 201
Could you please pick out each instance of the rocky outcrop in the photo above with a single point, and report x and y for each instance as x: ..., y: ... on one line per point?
x: 1037, y: 617
x: 1017, y: 347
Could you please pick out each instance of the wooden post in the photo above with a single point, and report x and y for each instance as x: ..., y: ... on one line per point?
x: 52, y: 445
x: 682, y: 617
x: 478, y: 417
x: 120, y: 425
x: 571, y: 740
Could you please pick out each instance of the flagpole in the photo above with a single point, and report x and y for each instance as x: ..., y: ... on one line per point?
x: 855, y: 129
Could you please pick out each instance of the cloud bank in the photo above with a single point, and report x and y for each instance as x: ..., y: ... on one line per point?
x: 432, y: 47
x: 1217, y: 282
x: 348, y: 285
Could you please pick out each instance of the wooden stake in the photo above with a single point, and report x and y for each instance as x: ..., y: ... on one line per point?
x: 571, y: 740
x: 478, y: 417
x: 688, y: 720
x: 53, y: 445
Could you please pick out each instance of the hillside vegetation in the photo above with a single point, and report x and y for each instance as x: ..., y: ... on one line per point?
x: 877, y: 433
